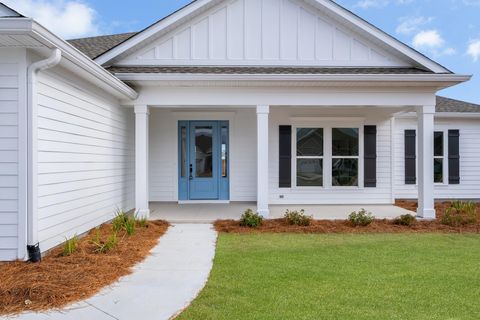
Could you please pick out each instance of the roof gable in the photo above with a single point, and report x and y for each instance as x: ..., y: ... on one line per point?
x: 265, y: 32
x: 7, y: 12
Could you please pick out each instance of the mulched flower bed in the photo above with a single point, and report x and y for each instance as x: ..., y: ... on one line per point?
x: 59, y: 280
x: 343, y: 226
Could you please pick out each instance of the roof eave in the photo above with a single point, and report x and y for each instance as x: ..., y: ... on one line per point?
x: 71, y: 54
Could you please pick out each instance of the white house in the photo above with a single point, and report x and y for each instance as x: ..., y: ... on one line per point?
x: 274, y: 101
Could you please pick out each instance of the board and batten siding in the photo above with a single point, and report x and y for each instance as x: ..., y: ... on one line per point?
x: 164, y: 151
x: 86, y: 157
x: 469, y: 187
x: 12, y: 110
x: 382, y: 194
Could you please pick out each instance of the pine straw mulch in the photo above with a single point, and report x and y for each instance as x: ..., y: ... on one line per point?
x: 58, y: 280
x: 343, y: 226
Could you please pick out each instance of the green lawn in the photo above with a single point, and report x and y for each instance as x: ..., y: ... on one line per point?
x: 386, y: 276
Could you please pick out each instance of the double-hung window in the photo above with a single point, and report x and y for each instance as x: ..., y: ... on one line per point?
x: 439, y: 157
x: 345, y: 157
x: 309, y: 157
x: 327, y: 157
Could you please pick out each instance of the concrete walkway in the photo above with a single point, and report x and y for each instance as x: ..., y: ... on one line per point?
x: 159, y: 288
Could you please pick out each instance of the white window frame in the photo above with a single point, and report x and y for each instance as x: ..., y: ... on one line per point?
x: 295, y: 157
x: 327, y: 126
x: 444, y: 157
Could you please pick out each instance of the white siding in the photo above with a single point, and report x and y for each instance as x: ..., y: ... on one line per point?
x: 12, y: 86
x: 85, y: 157
x: 382, y: 194
x: 469, y: 187
x: 164, y: 146
x: 263, y: 32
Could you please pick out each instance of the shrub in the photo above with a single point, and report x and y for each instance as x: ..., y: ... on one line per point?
x: 118, y: 223
x: 361, y: 218
x: 405, y: 220
x: 298, y: 218
x: 251, y: 219
x: 105, y: 246
x: 460, y: 213
x: 142, y: 222
x: 70, y: 246
x: 129, y: 225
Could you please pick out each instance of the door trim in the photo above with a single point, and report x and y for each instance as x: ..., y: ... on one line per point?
x: 183, y: 182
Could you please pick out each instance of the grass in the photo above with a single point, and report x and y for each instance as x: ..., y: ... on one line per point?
x: 342, y: 276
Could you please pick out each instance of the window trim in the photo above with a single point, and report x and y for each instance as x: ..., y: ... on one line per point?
x: 327, y: 127
x: 444, y: 157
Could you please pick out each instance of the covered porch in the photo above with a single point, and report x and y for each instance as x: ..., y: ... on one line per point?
x: 255, y: 178
x: 208, y: 213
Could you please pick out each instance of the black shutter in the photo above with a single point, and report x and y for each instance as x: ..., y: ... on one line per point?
x: 285, y: 164
x: 453, y: 156
x: 410, y: 157
x: 370, y: 156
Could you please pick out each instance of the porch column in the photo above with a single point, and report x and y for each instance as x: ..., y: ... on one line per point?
x: 141, y: 161
x: 426, y: 208
x: 262, y: 160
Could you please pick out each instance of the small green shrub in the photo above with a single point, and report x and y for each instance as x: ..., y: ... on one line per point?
x: 298, y: 218
x: 405, y: 220
x: 361, y: 218
x: 130, y: 225
x: 105, y: 246
x: 118, y: 223
x: 251, y: 219
x: 460, y: 213
x: 142, y: 222
x: 70, y: 246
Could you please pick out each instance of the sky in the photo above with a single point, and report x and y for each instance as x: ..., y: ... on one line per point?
x: 448, y: 31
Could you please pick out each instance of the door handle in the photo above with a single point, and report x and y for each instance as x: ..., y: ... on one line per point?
x: 191, y: 172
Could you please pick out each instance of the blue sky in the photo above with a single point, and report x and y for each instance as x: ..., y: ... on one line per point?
x: 448, y: 31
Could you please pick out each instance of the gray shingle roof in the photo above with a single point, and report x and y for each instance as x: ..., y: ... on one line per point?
x: 264, y: 70
x: 95, y: 46
x: 452, y: 105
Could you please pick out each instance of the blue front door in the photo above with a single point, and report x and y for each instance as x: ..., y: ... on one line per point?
x: 203, y: 160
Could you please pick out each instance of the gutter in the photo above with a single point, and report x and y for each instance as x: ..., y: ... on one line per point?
x: 54, y: 59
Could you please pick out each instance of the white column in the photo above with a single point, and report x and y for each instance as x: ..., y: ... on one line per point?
x: 426, y: 208
x: 262, y: 160
x: 141, y: 161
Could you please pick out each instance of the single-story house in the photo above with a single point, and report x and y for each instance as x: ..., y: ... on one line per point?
x: 274, y: 101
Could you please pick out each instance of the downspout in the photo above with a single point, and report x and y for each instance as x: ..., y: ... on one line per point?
x: 33, y: 247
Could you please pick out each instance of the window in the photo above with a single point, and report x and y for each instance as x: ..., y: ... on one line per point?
x: 224, y: 137
x: 309, y: 157
x: 439, y: 157
x: 345, y: 156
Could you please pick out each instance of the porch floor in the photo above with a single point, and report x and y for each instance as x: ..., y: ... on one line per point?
x: 207, y: 213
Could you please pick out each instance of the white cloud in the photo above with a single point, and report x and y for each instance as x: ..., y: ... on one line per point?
x: 66, y: 18
x: 472, y: 2
x: 408, y: 25
x: 428, y: 39
x: 366, y: 4
x: 474, y: 49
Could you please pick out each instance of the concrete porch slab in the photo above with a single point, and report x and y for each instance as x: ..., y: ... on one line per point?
x: 207, y: 213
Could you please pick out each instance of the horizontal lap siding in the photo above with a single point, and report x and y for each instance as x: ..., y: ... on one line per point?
x: 86, y: 159
x: 9, y: 153
x: 164, y: 157
x: 469, y: 187
x: 379, y: 195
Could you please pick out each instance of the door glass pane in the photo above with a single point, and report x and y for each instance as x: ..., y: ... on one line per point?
x: 438, y: 145
x: 224, y: 135
x: 309, y: 172
x: 345, y: 142
x: 438, y: 170
x: 309, y: 142
x: 183, y: 146
x: 204, y: 152
x: 345, y: 172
